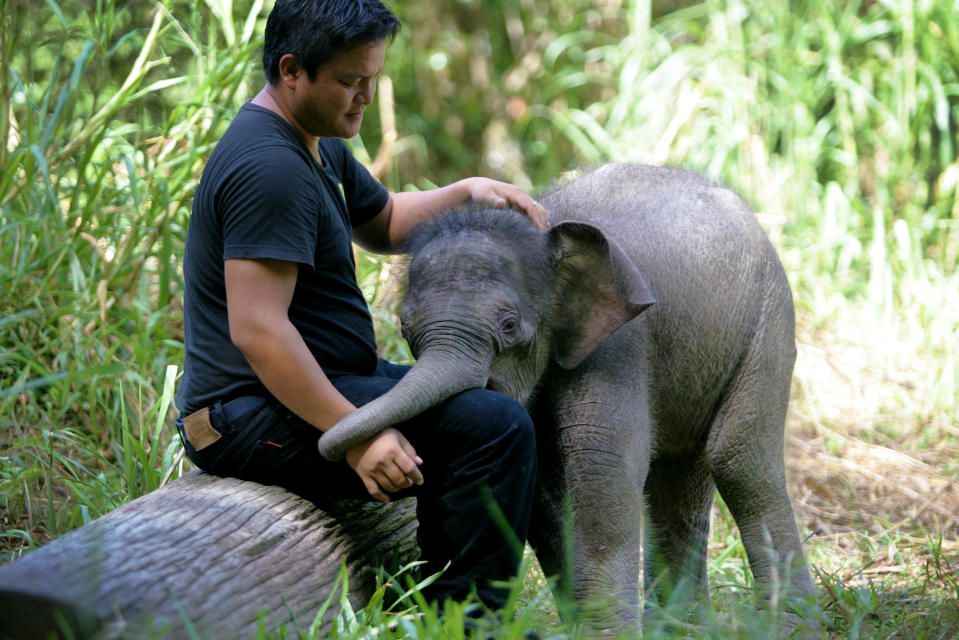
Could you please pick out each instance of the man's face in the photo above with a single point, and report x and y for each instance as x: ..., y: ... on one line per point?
x: 332, y: 105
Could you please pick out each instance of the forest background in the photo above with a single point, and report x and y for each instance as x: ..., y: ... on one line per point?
x: 836, y: 121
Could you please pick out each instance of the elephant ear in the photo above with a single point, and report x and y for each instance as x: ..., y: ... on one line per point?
x: 599, y: 289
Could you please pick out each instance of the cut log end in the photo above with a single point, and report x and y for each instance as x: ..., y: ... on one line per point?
x: 217, y: 554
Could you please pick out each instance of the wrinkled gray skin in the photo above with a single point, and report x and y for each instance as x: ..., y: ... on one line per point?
x: 632, y: 403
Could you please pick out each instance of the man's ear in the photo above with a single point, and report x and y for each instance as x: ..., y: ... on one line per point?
x: 289, y: 68
x: 598, y: 289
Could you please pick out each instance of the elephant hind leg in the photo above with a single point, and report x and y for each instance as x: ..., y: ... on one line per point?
x: 679, y: 494
x: 745, y: 456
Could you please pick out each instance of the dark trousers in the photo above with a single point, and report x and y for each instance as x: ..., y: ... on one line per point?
x: 479, y: 466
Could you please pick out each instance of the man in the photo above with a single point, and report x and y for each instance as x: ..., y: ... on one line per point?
x: 279, y: 340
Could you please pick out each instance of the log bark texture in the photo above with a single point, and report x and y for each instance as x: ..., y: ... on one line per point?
x: 219, y: 555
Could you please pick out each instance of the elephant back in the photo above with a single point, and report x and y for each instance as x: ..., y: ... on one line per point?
x: 719, y: 287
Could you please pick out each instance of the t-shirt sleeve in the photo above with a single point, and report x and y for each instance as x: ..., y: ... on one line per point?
x: 266, y: 209
x: 365, y: 196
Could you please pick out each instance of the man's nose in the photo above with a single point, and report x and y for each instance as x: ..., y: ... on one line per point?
x: 366, y: 92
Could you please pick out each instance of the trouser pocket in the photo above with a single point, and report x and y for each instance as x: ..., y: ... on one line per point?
x: 242, y: 438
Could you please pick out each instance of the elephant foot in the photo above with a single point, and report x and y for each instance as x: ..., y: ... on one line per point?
x: 807, y: 625
x: 607, y: 618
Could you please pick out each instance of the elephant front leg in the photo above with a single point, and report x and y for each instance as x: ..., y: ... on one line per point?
x: 603, y: 469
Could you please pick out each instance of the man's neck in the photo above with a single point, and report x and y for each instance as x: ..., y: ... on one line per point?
x: 267, y: 98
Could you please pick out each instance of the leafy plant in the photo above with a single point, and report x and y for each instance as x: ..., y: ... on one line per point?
x: 97, y: 180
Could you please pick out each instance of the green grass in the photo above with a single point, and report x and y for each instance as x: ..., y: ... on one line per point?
x: 838, y: 122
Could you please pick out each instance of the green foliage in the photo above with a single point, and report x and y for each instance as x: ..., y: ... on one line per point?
x: 837, y: 121
x: 104, y: 140
x: 827, y: 116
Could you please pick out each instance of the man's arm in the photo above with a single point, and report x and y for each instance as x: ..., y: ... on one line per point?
x: 403, y: 211
x: 258, y: 295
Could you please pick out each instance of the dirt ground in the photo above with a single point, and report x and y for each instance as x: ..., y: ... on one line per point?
x: 872, y: 467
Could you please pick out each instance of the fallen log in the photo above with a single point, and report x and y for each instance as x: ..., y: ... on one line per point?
x: 218, y: 555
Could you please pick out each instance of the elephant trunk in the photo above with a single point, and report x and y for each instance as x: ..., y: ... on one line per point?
x: 436, y: 376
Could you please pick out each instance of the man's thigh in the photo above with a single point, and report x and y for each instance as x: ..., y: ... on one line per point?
x: 363, y: 389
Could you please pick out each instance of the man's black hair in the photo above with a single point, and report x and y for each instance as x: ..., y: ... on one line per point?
x: 317, y: 30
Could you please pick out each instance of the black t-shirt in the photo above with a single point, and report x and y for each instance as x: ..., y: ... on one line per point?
x: 262, y: 195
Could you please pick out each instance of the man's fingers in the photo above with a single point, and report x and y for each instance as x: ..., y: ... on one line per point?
x: 410, y: 469
x: 501, y: 194
x: 534, y: 210
x: 374, y: 490
x: 537, y: 213
x: 415, y: 475
x: 411, y: 452
x: 393, y: 479
x: 402, y: 474
x: 410, y: 464
x: 387, y: 465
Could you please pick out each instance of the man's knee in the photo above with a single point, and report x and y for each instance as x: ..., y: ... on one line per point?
x: 490, y: 417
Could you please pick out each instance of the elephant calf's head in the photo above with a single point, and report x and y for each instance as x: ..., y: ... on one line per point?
x: 487, y: 286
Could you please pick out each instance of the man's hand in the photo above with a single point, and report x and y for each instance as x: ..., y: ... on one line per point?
x: 391, y: 228
x: 385, y: 463
x: 502, y: 195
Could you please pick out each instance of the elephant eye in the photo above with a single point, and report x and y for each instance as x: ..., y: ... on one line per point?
x: 509, y: 325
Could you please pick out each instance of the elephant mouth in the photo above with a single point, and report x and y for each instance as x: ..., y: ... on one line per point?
x: 500, y: 386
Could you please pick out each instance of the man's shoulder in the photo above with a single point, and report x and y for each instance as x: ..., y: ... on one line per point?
x: 254, y: 145
x: 256, y: 132
x: 259, y: 119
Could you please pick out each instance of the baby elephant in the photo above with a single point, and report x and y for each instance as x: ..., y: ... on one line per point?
x: 650, y: 333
